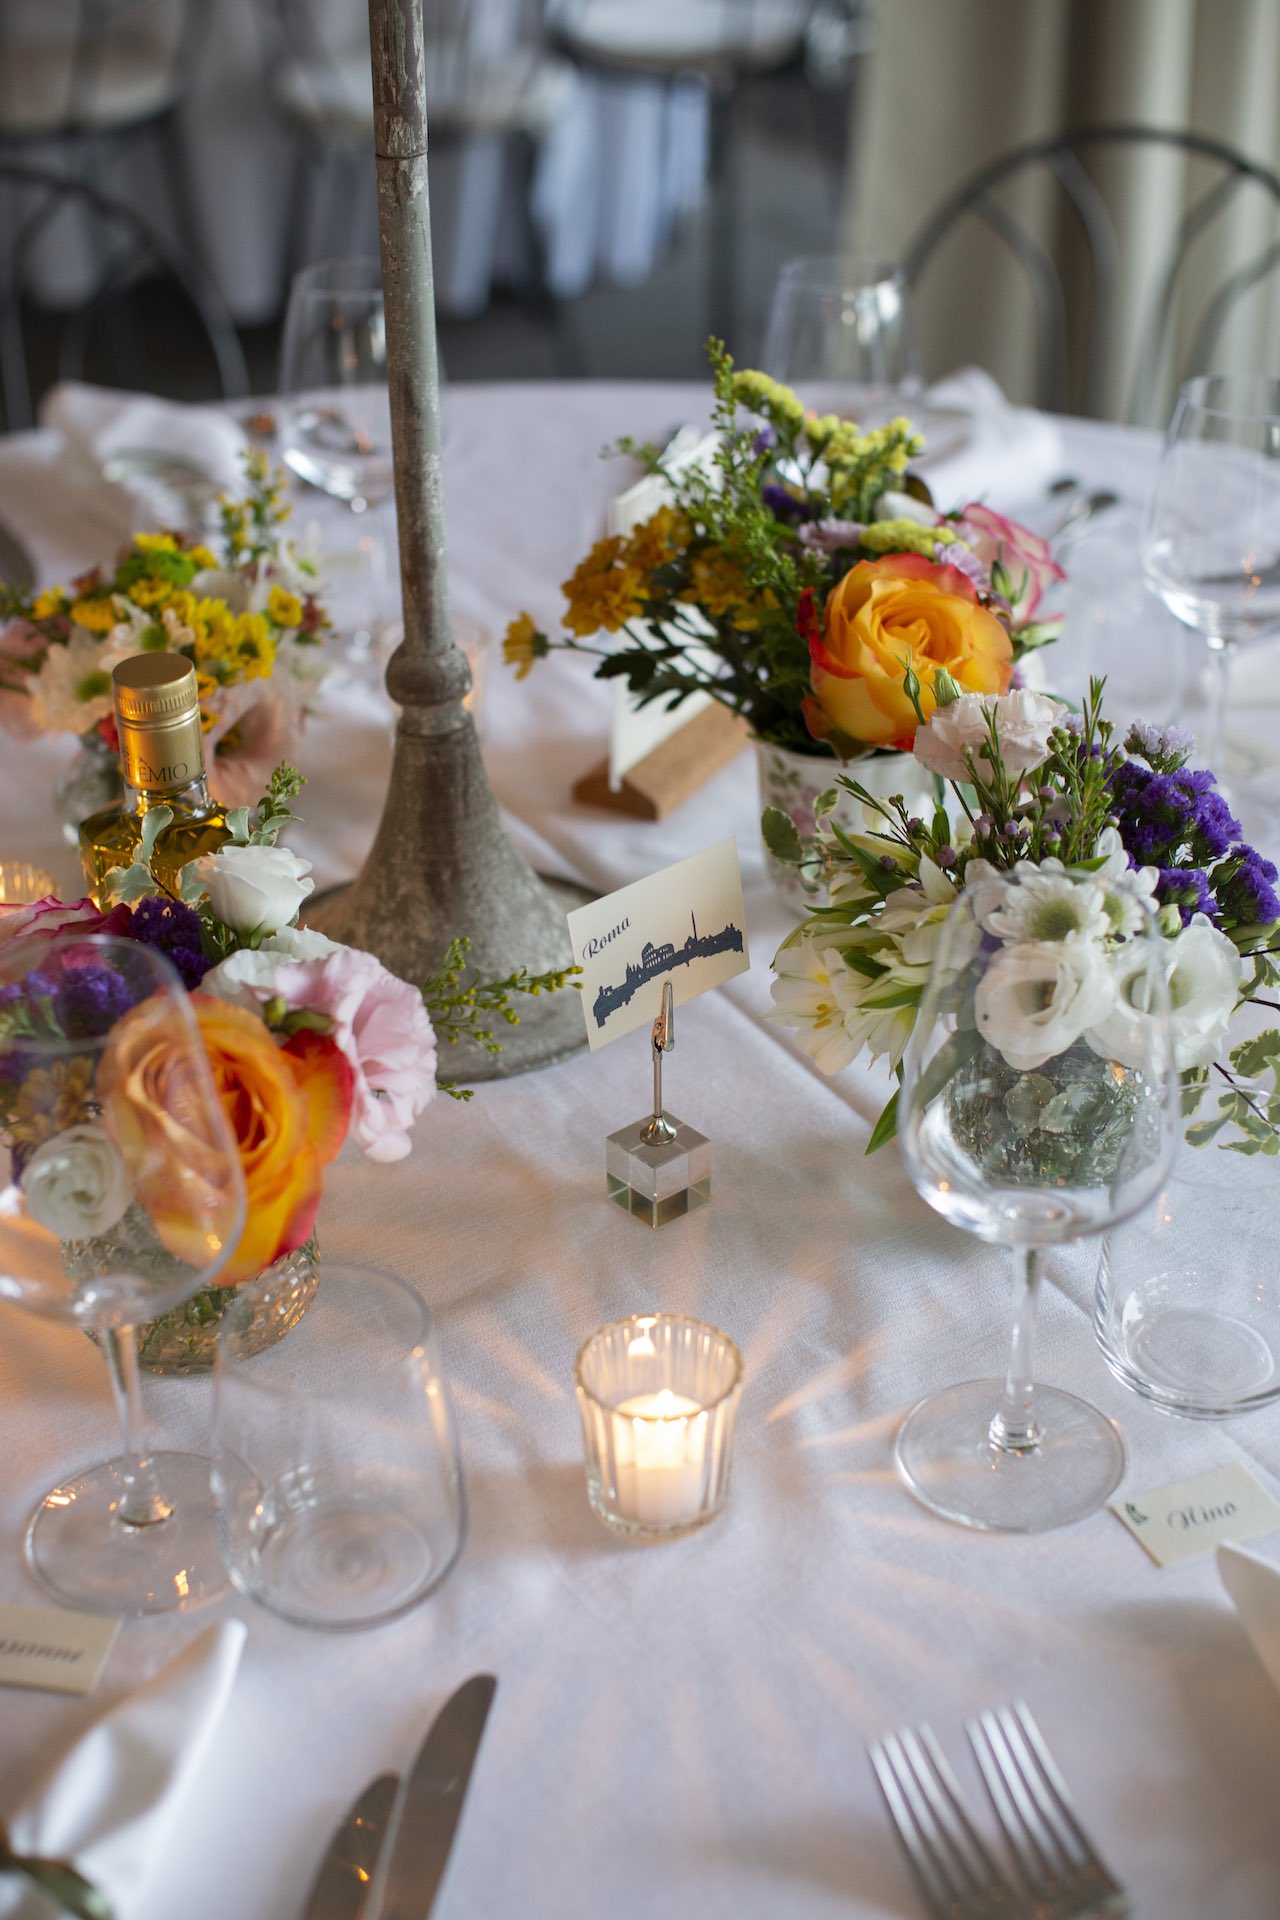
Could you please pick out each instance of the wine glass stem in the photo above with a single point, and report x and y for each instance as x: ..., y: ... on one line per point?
x: 1221, y: 653
x: 1014, y: 1429
x: 141, y: 1503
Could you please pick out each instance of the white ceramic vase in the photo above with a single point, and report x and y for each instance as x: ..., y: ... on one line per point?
x: 792, y: 782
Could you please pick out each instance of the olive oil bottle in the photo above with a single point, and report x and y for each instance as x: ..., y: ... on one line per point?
x: 162, y: 760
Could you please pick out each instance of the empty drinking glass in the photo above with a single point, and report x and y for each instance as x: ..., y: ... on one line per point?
x: 841, y: 332
x: 337, y: 1477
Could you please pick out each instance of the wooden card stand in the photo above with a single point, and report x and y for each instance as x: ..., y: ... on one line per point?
x: 656, y: 785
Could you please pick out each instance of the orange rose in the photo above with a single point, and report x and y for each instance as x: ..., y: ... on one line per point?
x: 888, y: 615
x: 286, y: 1114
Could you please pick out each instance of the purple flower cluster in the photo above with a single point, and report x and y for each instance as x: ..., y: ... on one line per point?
x: 173, y: 929
x: 783, y: 504
x: 1172, y: 817
x: 1247, y: 889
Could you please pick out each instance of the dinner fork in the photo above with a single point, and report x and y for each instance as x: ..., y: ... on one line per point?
x: 1062, y: 1869
x: 957, y: 1876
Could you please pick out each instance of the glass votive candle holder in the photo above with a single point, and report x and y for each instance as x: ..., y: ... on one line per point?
x: 22, y: 884
x: 658, y: 1396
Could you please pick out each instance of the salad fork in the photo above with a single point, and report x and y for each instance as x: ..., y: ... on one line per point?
x: 1055, y: 1857
x: 957, y: 1877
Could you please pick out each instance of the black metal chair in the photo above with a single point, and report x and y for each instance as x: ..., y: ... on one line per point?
x: 134, y: 244
x: 1077, y: 381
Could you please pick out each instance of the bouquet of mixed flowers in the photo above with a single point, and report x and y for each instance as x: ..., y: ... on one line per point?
x: 311, y: 1042
x: 795, y: 578
x: 247, y: 616
x: 1053, y: 798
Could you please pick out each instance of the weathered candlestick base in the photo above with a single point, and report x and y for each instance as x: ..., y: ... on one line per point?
x: 441, y: 866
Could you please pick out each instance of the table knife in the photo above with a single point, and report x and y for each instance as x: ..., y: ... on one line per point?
x: 345, y: 1880
x: 418, y: 1847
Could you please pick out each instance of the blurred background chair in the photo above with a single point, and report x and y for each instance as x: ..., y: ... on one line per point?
x: 1076, y: 284
x: 83, y: 84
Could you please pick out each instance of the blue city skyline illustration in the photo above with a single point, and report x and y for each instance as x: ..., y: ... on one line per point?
x: 655, y: 960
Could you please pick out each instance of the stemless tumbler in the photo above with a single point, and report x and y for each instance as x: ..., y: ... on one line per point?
x: 337, y: 1476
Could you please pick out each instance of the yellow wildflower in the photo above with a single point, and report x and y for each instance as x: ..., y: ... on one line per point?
x: 602, y: 592
x: 97, y: 616
x: 718, y: 584
x: 522, y: 645
x: 150, y: 591
x: 155, y: 543
x: 201, y: 557
x: 50, y: 1100
x: 905, y: 536
x: 255, y: 647
x: 50, y: 603
x: 285, y: 608
x: 658, y: 539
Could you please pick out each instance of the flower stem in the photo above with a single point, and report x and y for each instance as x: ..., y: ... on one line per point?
x: 1013, y: 1428
x: 141, y: 1504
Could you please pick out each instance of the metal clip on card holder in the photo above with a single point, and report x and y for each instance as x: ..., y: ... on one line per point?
x: 658, y: 1168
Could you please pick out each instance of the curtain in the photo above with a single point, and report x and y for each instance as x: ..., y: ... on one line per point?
x: 954, y: 83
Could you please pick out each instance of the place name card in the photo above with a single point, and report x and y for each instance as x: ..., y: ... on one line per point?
x: 1194, y: 1516
x: 52, y: 1648
x: 684, y: 924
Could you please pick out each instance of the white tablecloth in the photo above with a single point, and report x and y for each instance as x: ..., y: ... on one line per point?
x: 677, y: 1728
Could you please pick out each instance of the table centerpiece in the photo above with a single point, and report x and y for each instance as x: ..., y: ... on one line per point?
x: 244, y: 609
x: 792, y: 579
x: 312, y: 1043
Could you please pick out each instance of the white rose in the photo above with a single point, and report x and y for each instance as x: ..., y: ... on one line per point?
x: 76, y: 1185
x: 1024, y: 721
x: 1035, y: 1001
x: 248, y: 978
x: 254, y: 890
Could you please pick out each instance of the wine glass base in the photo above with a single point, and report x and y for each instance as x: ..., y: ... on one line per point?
x: 88, y: 1558
x: 943, y: 1453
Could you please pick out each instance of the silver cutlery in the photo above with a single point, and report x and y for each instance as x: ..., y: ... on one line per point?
x: 1061, y: 1867
x: 388, y: 1856
x: 957, y: 1876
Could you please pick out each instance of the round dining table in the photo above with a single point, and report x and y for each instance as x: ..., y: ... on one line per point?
x: 679, y: 1727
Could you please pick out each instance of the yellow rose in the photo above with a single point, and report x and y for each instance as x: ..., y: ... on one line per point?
x: 888, y: 615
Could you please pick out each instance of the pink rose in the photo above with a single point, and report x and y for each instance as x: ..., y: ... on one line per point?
x: 385, y: 1032
x: 57, y: 921
x: 1024, y: 556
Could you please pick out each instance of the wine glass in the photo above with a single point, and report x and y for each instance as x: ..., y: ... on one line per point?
x: 841, y: 332
x: 1039, y: 1103
x: 1211, y: 544
x: 334, y: 417
x: 122, y: 1196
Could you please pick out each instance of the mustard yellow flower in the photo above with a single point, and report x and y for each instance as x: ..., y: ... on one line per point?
x: 602, y: 592
x: 522, y: 645
x: 201, y: 557
x: 718, y: 584
x: 255, y: 648
x: 658, y: 539
x: 150, y: 591
x: 155, y: 543
x: 50, y: 603
x: 50, y: 1100
x: 96, y: 616
x: 285, y: 608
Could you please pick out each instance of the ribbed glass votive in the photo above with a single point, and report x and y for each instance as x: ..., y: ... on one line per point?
x: 658, y: 1396
x: 22, y: 884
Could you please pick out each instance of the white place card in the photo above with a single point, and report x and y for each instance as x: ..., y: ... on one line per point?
x: 53, y: 1648
x: 684, y: 924
x: 1194, y: 1516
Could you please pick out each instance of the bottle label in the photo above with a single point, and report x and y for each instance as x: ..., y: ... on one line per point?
x: 162, y: 759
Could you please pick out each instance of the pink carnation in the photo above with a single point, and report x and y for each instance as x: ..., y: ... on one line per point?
x: 385, y: 1032
x: 1024, y: 556
x: 57, y: 920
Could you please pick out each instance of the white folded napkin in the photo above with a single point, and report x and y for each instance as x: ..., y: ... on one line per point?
x: 1254, y: 1585
x: 108, y: 1804
x: 978, y: 447
x: 157, y: 463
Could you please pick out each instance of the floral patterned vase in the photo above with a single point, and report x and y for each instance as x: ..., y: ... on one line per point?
x: 185, y: 1339
x: 792, y: 782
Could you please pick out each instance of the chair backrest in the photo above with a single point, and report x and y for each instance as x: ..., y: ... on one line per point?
x: 1086, y: 313
x: 71, y: 67
x: 36, y: 195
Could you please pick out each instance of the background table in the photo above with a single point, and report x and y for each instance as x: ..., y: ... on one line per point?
x: 677, y: 1728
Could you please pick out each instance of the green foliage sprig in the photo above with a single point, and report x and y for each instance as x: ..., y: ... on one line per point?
x: 465, y: 1008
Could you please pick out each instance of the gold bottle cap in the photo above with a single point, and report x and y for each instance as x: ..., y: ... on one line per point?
x: 158, y: 719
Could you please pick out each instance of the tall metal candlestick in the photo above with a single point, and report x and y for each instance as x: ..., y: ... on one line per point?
x: 441, y: 864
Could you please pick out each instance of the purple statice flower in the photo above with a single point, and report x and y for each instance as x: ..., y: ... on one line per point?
x: 1187, y: 889
x: 832, y: 536
x: 173, y: 928
x: 89, y: 1001
x: 1216, y: 827
x: 1246, y: 890
x: 1164, y: 748
x: 765, y: 439
x: 783, y: 504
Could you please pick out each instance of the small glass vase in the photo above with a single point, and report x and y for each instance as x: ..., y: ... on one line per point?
x: 92, y: 780
x: 1187, y: 1301
x: 792, y: 781
x: 185, y: 1340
